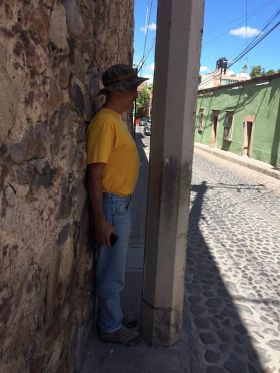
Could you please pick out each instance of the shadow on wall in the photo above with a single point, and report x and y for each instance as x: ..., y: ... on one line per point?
x: 274, y: 156
x: 219, y: 337
x: 225, y: 145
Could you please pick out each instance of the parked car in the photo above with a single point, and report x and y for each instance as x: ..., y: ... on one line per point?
x: 147, y: 129
x: 143, y: 122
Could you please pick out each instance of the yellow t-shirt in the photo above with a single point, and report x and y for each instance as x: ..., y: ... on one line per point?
x: 109, y: 142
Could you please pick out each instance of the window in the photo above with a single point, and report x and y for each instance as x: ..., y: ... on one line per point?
x: 228, y: 126
x: 201, y: 121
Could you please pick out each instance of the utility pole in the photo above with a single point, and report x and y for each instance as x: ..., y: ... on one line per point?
x: 179, y: 29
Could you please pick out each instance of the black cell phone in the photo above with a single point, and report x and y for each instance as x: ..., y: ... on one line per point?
x: 113, y: 239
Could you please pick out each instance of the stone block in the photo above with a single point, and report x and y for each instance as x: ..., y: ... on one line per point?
x: 73, y: 16
x: 79, y: 99
x: 54, y: 358
x: 9, y: 99
x: 66, y: 263
x: 66, y: 202
x: 63, y: 234
x: 8, y: 214
x: 45, y: 178
x: 58, y: 27
x: 31, y: 146
x: 37, y: 20
x: 10, y: 195
x: 54, y: 98
x: 3, y: 57
x: 24, y: 173
x: 63, y: 76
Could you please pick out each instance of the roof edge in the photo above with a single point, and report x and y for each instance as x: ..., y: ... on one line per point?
x: 242, y: 83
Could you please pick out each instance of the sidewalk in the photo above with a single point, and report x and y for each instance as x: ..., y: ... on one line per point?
x: 190, y: 355
x: 251, y: 163
x: 142, y: 358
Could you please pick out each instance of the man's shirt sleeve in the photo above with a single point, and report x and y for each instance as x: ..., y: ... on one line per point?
x: 100, y: 142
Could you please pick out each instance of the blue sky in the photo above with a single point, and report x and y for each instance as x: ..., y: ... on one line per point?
x: 224, y: 35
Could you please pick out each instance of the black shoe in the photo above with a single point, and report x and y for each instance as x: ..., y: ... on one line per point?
x: 123, y: 336
x: 129, y: 322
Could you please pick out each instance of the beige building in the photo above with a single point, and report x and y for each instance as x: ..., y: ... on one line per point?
x: 219, y: 77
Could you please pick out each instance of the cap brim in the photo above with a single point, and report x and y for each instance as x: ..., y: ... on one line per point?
x: 123, y: 86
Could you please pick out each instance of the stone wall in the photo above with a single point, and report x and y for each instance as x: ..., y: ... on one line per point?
x: 51, y: 56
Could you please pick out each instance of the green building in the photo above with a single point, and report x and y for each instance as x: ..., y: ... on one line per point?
x: 243, y: 118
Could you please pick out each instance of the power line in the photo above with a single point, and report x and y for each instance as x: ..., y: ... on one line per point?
x: 249, y: 15
x: 242, y: 54
x: 148, y: 18
x: 213, y: 75
x: 142, y: 62
x: 260, y: 33
x: 259, y: 36
x: 254, y: 45
x: 251, y: 45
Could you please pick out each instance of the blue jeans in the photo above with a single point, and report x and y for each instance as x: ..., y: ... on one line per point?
x: 111, y: 263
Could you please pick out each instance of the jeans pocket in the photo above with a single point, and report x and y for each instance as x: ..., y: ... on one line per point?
x: 122, y: 208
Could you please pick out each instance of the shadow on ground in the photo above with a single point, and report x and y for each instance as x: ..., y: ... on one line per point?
x: 219, y: 341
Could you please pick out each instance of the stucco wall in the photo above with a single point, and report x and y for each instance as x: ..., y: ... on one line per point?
x: 51, y: 56
x: 260, y: 99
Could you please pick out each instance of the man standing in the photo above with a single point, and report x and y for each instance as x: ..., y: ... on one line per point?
x: 113, y: 165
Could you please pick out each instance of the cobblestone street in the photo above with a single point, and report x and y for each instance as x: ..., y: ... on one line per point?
x: 232, y: 277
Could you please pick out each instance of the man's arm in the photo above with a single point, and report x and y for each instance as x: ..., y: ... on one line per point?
x: 103, y: 229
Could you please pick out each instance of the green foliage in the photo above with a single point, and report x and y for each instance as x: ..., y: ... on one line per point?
x: 143, y: 101
x: 256, y: 71
x: 271, y: 72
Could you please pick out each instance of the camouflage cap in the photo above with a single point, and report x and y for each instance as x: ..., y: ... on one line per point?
x: 120, y: 78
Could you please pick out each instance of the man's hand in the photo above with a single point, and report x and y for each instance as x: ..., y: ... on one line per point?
x: 103, y: 231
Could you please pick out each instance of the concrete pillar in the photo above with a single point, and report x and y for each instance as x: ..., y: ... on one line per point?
x: 179, y: 30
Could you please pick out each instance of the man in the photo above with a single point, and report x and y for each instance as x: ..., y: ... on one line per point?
x: 113, y: 165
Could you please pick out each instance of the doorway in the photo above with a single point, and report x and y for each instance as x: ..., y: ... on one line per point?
x: 214, y: 127
x: 248, y: 135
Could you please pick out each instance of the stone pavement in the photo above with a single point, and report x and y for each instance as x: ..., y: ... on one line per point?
x: 232, y: 278
x: 231, y: 317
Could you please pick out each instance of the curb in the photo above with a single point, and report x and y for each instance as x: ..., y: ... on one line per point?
x: 233, y: 158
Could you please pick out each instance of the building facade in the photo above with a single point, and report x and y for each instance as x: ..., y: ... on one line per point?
x: 243, y: 118
x: 220, y: 77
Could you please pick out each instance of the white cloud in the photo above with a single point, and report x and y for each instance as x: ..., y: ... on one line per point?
x: 151, y: 67
x: 242, y: 32
x: 204, y: 69
x: 151, y: 26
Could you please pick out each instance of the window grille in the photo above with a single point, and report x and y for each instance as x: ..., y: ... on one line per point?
x: 228, y: 126
x: 201, y: 120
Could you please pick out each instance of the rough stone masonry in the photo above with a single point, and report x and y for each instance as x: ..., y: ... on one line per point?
x: 51, y: 55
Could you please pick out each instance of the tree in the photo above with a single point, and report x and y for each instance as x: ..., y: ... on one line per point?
x: 271, y: 72
x: 257, y: 71
x: 143, y: 101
